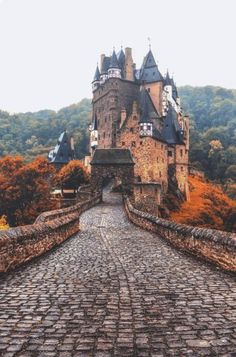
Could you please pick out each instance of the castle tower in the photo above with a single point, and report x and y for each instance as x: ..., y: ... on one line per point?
x: 145, y: 123
x: 129, y: 65
x: 114, y: 69
x: 152, y: 80
x: 94, y: 134
x: 96, y: 79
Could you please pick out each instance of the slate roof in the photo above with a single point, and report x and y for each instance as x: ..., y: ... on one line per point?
x: 96, y: 75
x: 147, y: 109
x: 168, y: 81
x: 114, y: 62
x: 149, y: 70
x: 172, y: 132
x: 121, y: 58
x: 112, y: 157
x: 62, y: 153
x: 94, y: 125
x: 105, y: 64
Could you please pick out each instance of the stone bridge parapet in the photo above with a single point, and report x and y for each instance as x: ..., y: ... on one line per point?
x: 212, y: 245
x: 21, y: 244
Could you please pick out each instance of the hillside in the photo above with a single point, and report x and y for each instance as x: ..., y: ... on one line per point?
x: 208, y: 207
x: 213, y: 131
x: 32, y: 134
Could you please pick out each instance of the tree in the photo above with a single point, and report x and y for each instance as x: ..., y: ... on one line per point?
x: 24, y: 189
x: 72, y: 175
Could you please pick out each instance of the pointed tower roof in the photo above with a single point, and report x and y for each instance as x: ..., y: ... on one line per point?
x: 168, y: 81
x: 114, y: 62
x: 62, y: 153
x: 121, y: 58
x: 96, y: 75
x: 147, y: 109
x: 172, y: 131
x: 149, y: 70
x: 105, y: 64
x: 94, y: 123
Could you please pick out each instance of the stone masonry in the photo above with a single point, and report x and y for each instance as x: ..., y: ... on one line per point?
x: 117, y: 290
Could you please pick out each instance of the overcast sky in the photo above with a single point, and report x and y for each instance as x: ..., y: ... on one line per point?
x: 49, y: 48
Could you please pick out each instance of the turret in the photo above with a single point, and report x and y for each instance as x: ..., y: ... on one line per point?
x: 105, y: 63
x: 94, y: 133
x: 96, y: 79
x: 114, y: 69
x: 145, y: 123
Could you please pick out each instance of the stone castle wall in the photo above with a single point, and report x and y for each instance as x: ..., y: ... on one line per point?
x: 108, y: 101
x: 150, y: 155
x: 21, y: 244
x: 214, y: 246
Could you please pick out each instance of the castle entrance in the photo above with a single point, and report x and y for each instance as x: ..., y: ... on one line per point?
x: 116, y: 164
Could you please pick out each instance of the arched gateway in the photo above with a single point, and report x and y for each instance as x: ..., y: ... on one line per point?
x: 112, y: 163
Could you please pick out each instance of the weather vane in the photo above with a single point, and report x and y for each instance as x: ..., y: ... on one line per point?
x: 149, y: 41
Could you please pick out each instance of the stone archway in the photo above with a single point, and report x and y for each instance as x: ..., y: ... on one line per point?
x: 112, y: 163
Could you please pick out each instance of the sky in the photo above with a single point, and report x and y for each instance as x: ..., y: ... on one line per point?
x: 49, y: 48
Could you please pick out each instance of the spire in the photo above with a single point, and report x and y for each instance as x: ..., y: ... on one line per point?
x: 174, y: 89
x: 96, y: 75
x: 149, y: 71
x: 121, y: 58
x: 94, y: 123
x: 114, y: 62
x: 172, y: 132
x: 144, y: 107
x: 63, y: 152
x: 168, y: 81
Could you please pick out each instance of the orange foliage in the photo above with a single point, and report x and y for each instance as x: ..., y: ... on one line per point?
x: 208, y: 207
x: 24, y: 189
x: 72, y: 175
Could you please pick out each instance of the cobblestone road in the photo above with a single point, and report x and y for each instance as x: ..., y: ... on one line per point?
x: 116, y: 290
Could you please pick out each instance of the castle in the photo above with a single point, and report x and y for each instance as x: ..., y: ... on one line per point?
x: 139, y: 110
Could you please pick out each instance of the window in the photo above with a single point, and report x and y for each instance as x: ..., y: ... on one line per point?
x: 157, y: 159
x: 105, y: 119
x: 141, y: 143
x: 149, y: 90
x: 104, y: 135
x: 181, y: 152
x: 182, y: 169
x: 133, y: 144
x: 162, y: 147
x: 140, y: 190
x: 160, y: 174
x: 123, y: 143
x: 131, y: 130
x: 170, y: 153
x: 162, y: 160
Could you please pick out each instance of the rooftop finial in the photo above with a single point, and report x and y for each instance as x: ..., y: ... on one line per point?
x: 149, y: 43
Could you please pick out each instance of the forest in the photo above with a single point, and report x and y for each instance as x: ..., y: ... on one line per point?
x: 212, y: 113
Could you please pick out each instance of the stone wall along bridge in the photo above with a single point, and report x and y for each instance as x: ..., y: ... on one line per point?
x: 114, y: 289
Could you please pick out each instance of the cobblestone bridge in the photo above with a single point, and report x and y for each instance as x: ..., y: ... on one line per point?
x: 116, y: 290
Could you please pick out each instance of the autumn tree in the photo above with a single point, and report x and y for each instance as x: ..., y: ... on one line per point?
x: 24, y: 189
x: 72, y: 175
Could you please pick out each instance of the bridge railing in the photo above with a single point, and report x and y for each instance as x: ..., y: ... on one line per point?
x: 212, y: 245
x: 21, y: 244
